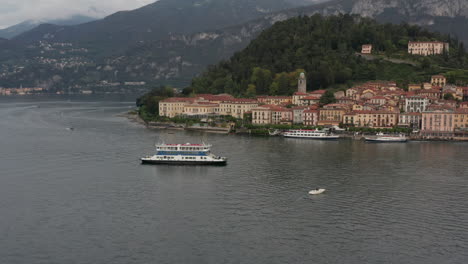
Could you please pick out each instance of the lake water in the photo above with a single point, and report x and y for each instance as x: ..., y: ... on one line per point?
x: 81, y: 196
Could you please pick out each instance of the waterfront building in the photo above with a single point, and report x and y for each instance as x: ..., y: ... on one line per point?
x: 412, y: 120
x: 376, y: 118
x: 272, y: 114
x: 438, y: 124
x: 331, y: 114
x: 366, y: 49
x: 298, y: 114
x: 173, y: 106
x: 262, y: 115
x: 282, y: 116
x: 350, y: 119
x: 426, y: 48
x: 464, y: 105
x: 237, y: 107
x: 215, y: 98
x: 201, y: 108
x: 311, y: 117
x: 416, y: 104
x: 438, y: 80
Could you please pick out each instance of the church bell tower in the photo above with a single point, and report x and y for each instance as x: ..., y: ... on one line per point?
x: 302, y: 83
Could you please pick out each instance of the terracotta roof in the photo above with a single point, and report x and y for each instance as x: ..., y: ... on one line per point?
x: 241, y: 100
x: 318, y: 92
x: 203, y: 104
x: 273, y: 97
x: 310, y: 98
x: 178, y: 99
x: 427, y: 42
x: 376, y: 112
x: 411, y: 113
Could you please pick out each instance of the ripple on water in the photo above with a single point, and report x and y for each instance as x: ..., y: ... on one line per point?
x: 82, y: 197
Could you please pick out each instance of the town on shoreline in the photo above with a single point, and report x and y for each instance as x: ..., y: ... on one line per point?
x: 426, y: 111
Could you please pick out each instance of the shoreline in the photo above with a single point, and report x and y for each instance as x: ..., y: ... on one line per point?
x: 135, y: 118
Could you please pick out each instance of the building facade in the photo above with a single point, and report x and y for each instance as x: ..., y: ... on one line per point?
x: 275, y: 100
x: 438, y: 80
x: 237, y: 107
x: 427, y: 48
x: 411, y: 120
x: 438, y: 124
x: 174, y: 106
x: 366, y: 49
x: 416, y: 104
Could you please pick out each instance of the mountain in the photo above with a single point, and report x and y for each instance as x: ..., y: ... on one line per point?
x: 327, y: 49
x: 27, y: 25
x: 155, y: 21
x: 172, y: 41
x: 185, y: 54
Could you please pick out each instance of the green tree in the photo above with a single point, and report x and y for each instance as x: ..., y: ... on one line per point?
x: 262, y: 80
x: 251, y: 91
x: 327, y: 98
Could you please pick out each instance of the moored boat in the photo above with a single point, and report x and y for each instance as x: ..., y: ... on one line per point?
x: 184, y: 154
x: 310, y: 134
x: 380, y: 137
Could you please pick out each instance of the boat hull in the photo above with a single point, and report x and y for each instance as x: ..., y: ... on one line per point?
x: 316, y: 192
x: 181, y: 162
x: 314, y: 138
x: 374, y: 140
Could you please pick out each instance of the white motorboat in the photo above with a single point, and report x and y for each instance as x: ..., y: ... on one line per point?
x: 310, y: 134
x: 316, y: 191
x: 380, y: 137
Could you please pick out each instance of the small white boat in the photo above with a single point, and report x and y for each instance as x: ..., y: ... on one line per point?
x: 380, y: 137
x: 275, y: 132
x: 317, y: 191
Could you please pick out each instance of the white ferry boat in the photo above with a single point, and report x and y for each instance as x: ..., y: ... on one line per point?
x: 310, y: 134
x: 184, y: 154
x: 380, y: 137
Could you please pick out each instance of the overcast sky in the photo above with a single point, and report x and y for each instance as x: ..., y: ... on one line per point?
x: 15, y: 11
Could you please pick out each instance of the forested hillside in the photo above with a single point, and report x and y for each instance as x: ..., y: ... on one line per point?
x: 325, y: 48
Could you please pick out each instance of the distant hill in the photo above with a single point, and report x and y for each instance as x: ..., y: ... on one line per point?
x: 172, y: 41
x: 156, y: 21
x: 327, y: 49
x: 27, y: 25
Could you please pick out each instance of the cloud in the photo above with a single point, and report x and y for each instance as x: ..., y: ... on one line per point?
x: 15, y: 11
